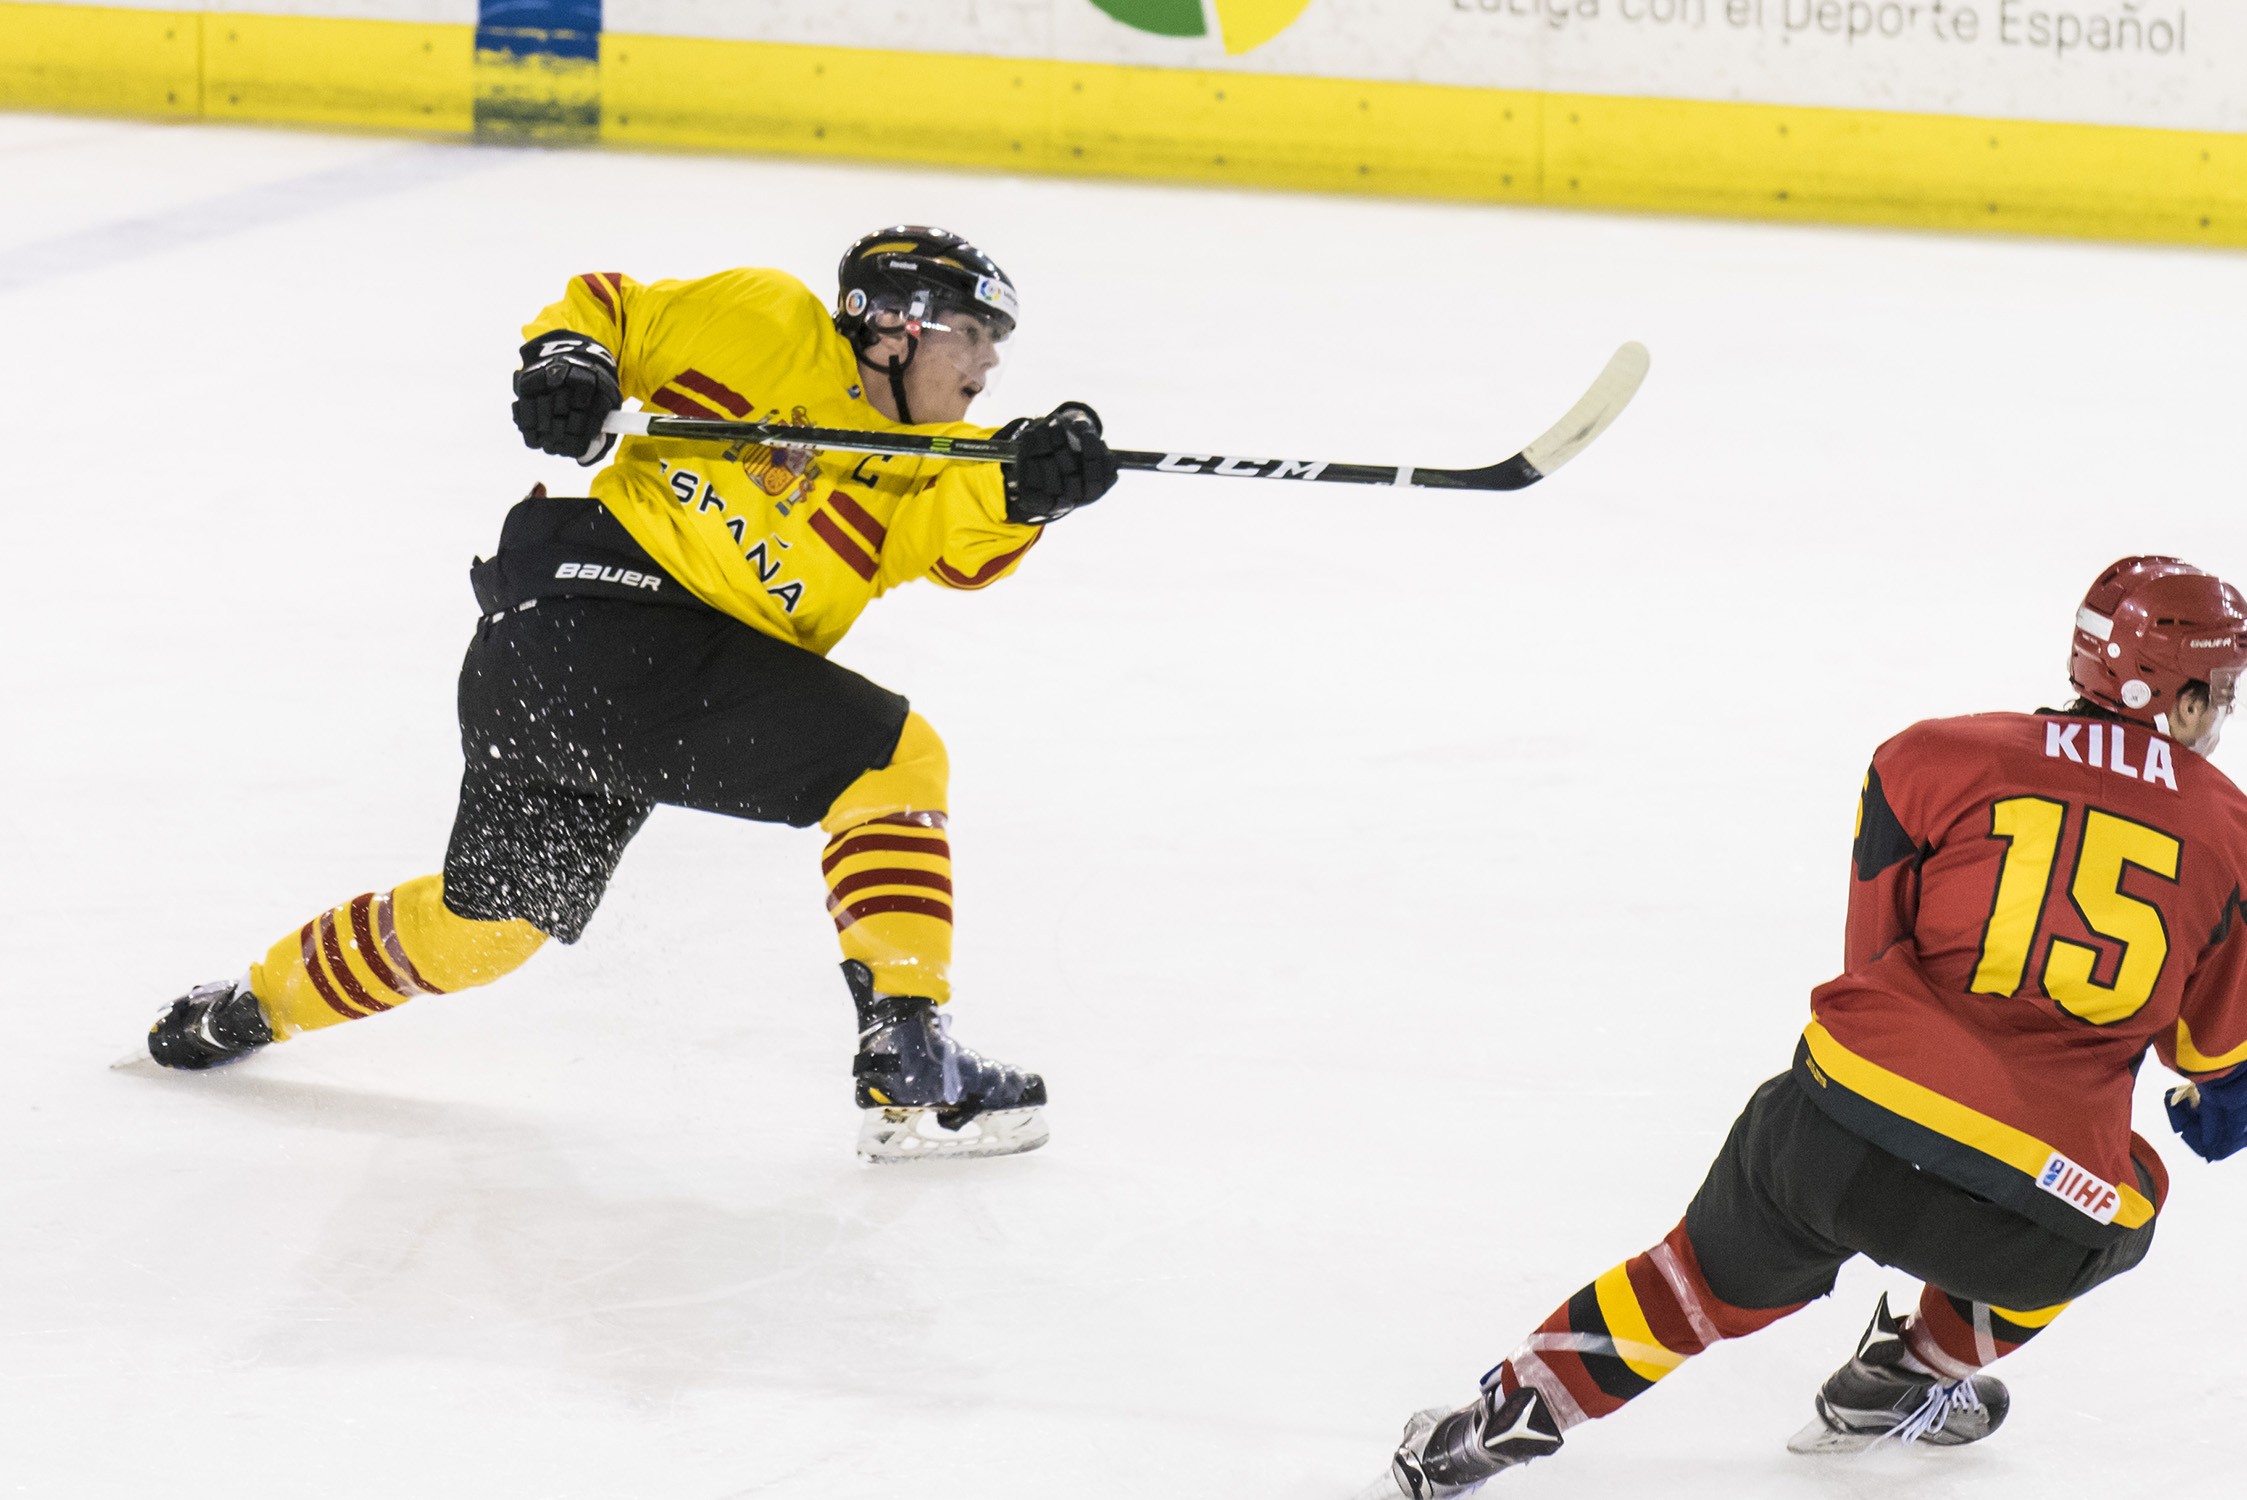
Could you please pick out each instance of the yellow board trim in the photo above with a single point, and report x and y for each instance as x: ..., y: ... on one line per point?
x: 1759, y: 161
x: 355, y: 75
x: 88, y: 59
x: 1993, y: 1138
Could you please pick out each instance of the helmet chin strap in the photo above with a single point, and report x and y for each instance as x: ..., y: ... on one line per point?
x: 896, y: 369
x: 897, y: 386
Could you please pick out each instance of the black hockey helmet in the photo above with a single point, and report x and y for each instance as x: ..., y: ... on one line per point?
x: 915, y: 275
x: 918, y: 272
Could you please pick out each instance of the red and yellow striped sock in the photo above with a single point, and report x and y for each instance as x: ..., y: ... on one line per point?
x: 889, y: 889
x: 379, y: 950
x: 888, y: 866
x: 1614, y: 1339
x: 1955, y: 1336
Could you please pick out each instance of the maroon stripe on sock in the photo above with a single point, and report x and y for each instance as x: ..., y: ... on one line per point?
x: 362, y: 933
x: 1947, y: 1323
x: 838, y: 541
x: 891, y: 843
x: 1666, y: 1317
x: 331, y: 943
x: 1730, y: 1322
x: 875, y: 906
x: 386, y: 922
x: 908, y: 820
x: 320, y: 980
x: 702, y: 385
x: 851, y: 884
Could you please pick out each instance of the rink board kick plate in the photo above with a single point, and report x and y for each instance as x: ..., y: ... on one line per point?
x: 549, y: 71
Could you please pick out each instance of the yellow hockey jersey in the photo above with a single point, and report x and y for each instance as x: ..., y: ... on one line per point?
x: 790, y: 542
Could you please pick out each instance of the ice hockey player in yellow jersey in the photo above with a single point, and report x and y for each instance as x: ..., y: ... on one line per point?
x: 664, y: 641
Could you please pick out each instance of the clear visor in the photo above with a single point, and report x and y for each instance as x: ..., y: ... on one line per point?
x: 968, y: 341
x: 966, y: 344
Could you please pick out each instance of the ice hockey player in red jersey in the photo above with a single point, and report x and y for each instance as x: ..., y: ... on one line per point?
x: 664, y: 641
x: 2036, y: 900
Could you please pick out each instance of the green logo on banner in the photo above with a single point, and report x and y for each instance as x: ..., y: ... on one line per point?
x: 1244, y: 25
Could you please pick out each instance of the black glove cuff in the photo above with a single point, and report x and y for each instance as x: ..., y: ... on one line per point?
x: 576, y: 348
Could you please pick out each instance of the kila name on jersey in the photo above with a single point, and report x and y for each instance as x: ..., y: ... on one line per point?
x: 2107, y: 746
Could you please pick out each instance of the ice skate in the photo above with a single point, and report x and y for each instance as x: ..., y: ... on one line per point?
x: 211, y: 1025
x: 923, y: 1095
x: 1882, y: 1392
x: 1450, y: 1453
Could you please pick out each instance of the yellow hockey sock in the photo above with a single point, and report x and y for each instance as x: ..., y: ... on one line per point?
x: 888, y: 865
x: 378, y: 951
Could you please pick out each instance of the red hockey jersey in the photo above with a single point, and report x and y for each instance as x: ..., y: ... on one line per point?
x: 2038, y: 898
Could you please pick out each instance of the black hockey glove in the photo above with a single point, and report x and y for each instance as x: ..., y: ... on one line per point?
x: 1063, y: 464
x: 2212, y: 1117
x: 566, y: 386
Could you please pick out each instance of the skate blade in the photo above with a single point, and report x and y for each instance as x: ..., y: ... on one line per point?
x: 1384, y: 1488
x: 895, y: 1135
x: 137, y: 1059
x: 1818, y: 1438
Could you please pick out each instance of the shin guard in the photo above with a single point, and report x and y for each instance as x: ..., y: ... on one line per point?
x: 379, y: 950
x: 1614, y: 1339
x: 1954, y: 1337
x: 888, y: 867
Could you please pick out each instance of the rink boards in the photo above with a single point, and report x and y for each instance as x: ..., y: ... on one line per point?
x: 2132, y: 137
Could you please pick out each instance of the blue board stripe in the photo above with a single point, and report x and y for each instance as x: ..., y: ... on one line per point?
x: 540, y: 15
x: 540, y: 28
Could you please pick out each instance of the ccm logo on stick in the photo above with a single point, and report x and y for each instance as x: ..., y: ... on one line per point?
x: 1239, y: 468
x: 594, y: 571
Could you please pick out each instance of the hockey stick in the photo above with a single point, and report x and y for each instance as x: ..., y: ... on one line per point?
x: 1571, y: 435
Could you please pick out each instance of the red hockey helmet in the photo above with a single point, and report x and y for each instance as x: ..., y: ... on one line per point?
x: 2148, y: 627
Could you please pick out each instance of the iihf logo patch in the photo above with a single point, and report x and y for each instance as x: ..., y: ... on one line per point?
x: 2078, y: 1189
x: 855, y: 303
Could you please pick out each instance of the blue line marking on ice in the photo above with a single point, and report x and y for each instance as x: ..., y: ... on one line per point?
x: 259, y: 207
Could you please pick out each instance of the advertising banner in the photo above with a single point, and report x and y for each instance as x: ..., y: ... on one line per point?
x: 2104, y: 117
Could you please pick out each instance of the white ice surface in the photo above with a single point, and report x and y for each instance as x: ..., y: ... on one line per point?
x: 1401, y: 892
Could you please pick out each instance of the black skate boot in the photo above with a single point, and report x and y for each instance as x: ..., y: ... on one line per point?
x: 925, y: 1095
x: 1449, y: 1453
x: 1885, y: 1392
x: 210, y: 1025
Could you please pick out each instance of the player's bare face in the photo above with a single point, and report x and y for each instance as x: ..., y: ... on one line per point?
x: 2197, y: 720
x: 957, y: 359
x: 957, y: 356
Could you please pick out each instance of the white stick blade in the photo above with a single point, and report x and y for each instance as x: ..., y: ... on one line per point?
x: 1592, y: 415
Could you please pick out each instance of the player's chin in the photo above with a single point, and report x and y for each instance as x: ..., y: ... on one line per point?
x: 955, y: 409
